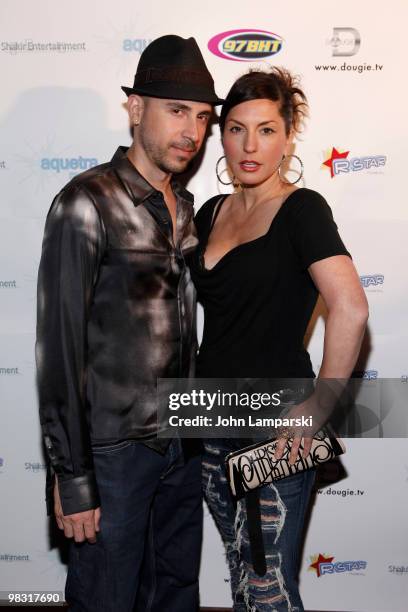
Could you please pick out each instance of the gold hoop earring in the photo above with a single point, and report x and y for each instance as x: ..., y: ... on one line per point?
x: 217, y: 173
x: 301, y: 170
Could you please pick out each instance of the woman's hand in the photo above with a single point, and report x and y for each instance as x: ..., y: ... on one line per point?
x: 301, y: 437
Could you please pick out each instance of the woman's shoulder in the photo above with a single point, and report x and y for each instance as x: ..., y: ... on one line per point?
x: 304, y: 195
x: 208, y: 206
x: 308, y: 202
x: 204, y: 214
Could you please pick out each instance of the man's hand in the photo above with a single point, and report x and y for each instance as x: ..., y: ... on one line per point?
x: 81, y: 526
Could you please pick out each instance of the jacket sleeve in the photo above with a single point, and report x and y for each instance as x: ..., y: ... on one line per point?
x: 73, y: 245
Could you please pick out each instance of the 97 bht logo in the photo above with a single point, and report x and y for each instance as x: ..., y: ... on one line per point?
x: 245, y: 45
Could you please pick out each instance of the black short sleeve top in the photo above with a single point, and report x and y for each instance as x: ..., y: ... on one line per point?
x: 259, y: 298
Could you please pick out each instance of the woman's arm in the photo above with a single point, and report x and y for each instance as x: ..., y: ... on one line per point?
x: 339, y: 285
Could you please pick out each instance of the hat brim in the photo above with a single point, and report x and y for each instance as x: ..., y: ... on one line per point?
x: 172, y: 92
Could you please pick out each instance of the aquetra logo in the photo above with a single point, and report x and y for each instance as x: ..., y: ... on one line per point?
x: 245, y: 45
x: 60, y: 164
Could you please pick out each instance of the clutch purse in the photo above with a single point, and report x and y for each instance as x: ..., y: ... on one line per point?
x: 254, y: 466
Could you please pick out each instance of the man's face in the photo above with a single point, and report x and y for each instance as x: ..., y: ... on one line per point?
x: 171, y: 132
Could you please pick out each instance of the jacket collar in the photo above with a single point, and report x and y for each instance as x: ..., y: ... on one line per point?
x: 140, y: 189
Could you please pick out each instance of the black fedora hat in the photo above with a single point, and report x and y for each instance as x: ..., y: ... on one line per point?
x: 173, y: 67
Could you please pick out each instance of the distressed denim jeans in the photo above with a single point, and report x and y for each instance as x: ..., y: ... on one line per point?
x: 283, y: 507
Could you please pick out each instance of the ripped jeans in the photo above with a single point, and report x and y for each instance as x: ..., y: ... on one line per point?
x: 283, y: 507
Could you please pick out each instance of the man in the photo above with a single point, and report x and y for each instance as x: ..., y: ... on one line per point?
x: 115, y: 313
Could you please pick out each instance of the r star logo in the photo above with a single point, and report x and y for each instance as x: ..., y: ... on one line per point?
x: 317, y: 560
x: 335, y: 154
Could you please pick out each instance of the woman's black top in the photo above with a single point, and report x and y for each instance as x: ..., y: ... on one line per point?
x: 258, y: 299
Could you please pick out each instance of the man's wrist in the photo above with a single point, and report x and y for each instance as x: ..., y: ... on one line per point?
x: 78, y: 494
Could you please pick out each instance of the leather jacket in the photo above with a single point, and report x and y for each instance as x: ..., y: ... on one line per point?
x: 116, y: 311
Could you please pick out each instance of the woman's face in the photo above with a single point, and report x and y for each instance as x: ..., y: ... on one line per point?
x: 255, y: 140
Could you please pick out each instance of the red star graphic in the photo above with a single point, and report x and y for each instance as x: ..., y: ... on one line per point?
x: 321, y: 559
x: 334, y: 155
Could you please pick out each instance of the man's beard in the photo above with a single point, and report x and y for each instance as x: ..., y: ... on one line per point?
x: 159, y: 155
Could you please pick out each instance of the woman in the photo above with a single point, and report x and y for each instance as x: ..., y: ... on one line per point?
x: 266, y: 252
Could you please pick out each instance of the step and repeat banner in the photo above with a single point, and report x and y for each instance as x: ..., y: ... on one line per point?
x: 61, y: 112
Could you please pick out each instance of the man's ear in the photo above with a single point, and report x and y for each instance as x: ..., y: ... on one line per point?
x: 135, y: 107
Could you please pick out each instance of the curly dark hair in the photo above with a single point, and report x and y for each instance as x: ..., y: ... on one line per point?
x: 278, y: 85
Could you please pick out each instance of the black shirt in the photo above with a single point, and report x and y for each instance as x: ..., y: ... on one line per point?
x: 116, y: 311
x: 258, y: 299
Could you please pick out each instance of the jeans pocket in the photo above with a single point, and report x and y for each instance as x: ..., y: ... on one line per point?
x: 105, y: 449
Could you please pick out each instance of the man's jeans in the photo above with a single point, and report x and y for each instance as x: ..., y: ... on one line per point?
x: 282, y: 507
x: 148, y: 549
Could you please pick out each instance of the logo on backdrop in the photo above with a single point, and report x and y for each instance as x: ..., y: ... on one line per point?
x: 2, y: 165
x: 345, y: 42
x: 341, y: 492
x: 373, y: 283
x: 135, y: 45
x: 338, y: 162
x: 35, y: 46
x: 245, y: 45
x: 34, y: 466
x: 119, y: 44
x: 63, y: 164
x: 370, y: 374
x: 365, y: 374
x: 372, y: 280
x: 41, y: 164
x: 1, y: 465
x: 324, y: 564
x: 13, y: 557
x: 399, y: 570
x: 8, y: 284
x: 9, y: 371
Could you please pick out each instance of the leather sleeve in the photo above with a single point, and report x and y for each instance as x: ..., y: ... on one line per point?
x: 73, y: 245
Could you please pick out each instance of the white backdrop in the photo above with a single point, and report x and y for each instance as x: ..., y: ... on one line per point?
x: 61, y: 67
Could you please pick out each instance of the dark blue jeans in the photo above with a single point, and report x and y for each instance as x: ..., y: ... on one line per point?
x: 283, y: 507
x: 147, y: 553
